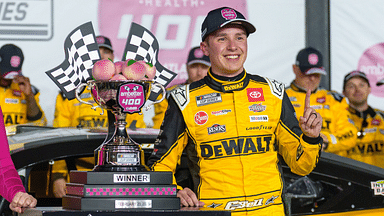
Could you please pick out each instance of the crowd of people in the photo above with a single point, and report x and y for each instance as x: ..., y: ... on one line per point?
x: 226, y: 112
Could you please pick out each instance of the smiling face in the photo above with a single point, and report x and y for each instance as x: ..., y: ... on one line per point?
x: 357, y: 91
x: 227, y: 50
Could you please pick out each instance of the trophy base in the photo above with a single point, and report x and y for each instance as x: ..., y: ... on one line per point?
x: 114, y: 168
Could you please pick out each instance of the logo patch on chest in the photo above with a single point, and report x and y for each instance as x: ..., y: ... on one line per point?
x: 201, y: 118
x: 255, y: 94
x: 259, y: 118
x: 208, y: 99
x: 11, y: 101
x: 216, y: 128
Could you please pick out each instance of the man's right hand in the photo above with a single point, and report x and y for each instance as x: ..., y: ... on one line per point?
x: 59, y: 186
x: 188, y: 198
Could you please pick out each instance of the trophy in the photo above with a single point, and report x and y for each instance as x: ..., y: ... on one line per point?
x: 119, y: 152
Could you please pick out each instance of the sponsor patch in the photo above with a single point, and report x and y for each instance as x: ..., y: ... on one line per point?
x: 221, y: 112
x: 296, y: 105
x: 326, y: 107
x: 216, y: 128
x: 257, y: 107
x: 261, y: 127
x: 215, y: 205
x: 381, y: 131
x: 378, y: 187
x: 255, y: 94
x: 231, y: 87
x: 293, y: 99
x: 376, y: 122
x: 317, y: 107
x: 201, y: 118
x: 11, y: 101
x: 259, y: 118
x: 320, y: 100
x: 17, y: 93
x: 208, y: 99
x: 23, y: 101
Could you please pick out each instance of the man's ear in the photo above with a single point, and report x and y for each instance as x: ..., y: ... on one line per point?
x: 204, y: 47
x: 296, y: 69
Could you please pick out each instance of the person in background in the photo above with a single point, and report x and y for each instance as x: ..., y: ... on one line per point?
x: 233, y: 125
x: 338, y: 133
x: 73, y: 113
x: 197, y: 68
x: 369, y: 121
x: 19, y: 99
x: 11, y: 187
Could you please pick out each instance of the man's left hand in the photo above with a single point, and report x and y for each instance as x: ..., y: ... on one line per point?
x: 311, y: 121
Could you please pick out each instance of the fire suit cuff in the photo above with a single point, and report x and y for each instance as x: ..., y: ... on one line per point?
x: 312, y: 140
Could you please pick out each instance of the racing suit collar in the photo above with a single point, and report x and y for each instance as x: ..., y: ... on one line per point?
x: 299, y: 89
x: 227, y: 84
x: 370, y: 111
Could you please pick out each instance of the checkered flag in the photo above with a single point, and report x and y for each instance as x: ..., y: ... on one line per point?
x: 81, y: 52
x: 142, y: 45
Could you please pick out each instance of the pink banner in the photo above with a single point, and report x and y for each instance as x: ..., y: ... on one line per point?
x: 372, y: 64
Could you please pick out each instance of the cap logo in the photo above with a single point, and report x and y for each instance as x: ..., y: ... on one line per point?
x: 313, y: 59
x: 100, y: 40
x: 198, y: 53
x: 228, y: 14
x: 15, y: 61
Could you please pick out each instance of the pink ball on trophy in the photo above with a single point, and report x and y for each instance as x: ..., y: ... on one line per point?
x: 134, y: 70
x: 103, y: 70
x: 118, y: 77
x: 119, y: 67
x: 151, y: 71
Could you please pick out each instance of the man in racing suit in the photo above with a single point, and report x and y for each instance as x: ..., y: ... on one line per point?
x: 19, y: 100
x: 369, y: 121
x: 338, y: 133
x: 233, y: 126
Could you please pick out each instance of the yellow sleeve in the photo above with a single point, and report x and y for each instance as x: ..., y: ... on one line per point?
x: 343, y: 133
x: 63, y: 112
x: 139, y: 120
x: 160, y: 109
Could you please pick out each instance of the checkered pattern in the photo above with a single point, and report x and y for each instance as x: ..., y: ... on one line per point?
x: 142, y: 45
x: 81, y: 52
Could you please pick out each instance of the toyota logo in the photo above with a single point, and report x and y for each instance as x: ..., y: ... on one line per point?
x: 255, y: 94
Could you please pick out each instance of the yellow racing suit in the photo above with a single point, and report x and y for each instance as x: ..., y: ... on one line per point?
x: 370, y: 140
x: 14, y: 106
x: 337, y: 126
x: 233, y: 132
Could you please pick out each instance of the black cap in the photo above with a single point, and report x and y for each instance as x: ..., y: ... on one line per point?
x: 310, y: 61
x: 355, y: 73
x: 11, y: 60
x: 220, y: 17
x: 103, y: 41
x: 196, y: 55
